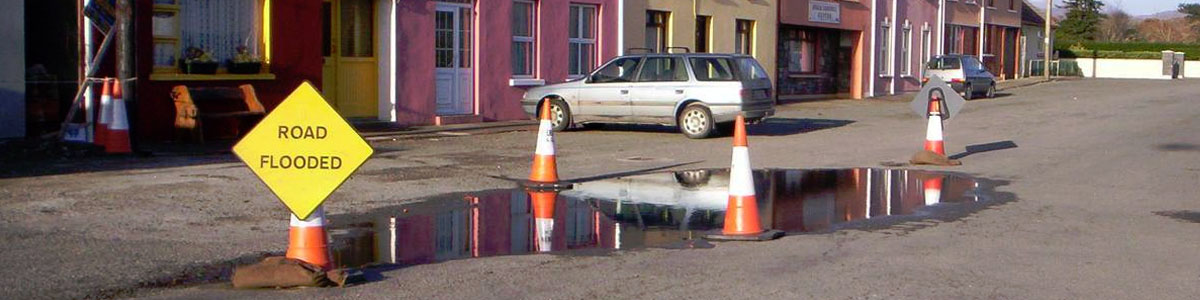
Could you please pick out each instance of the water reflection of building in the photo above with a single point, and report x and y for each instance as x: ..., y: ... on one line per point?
x: 653, y: 210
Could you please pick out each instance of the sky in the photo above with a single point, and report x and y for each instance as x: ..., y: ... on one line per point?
x: 1133, y: 7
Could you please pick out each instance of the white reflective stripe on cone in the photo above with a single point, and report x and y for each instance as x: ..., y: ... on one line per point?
x: 934, y: 133
x: 545, y: 231
x: 315, y: 219
x: 105, y: 109
x: 545, y: 140
x: 741, y: 181
x: 932, y: 196
x: 120, y: 121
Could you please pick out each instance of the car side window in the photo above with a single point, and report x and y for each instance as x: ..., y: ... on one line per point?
x: 970, y: 63
x: 712, y: 69
x: 663, y: 69
x: 751, y: 70
x: 619, y: 70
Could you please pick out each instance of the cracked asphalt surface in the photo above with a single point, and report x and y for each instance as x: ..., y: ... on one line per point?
x: 1105, y: 175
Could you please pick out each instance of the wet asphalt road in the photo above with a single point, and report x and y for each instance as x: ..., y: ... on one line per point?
x: 1105, y: 175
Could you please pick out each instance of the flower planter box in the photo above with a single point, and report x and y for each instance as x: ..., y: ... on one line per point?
x: 197, y: 67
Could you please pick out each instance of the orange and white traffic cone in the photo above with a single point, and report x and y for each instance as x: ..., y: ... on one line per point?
x: 933, y: 190
x: 307, y: 241
x: 741, y: 214
x: 933, y: 135
x: 118, y: 133
x: 543, y: 217
x: 104, y: 114
x: 545, y: 169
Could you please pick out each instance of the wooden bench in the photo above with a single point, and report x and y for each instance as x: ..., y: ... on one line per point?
x: 195, y: 105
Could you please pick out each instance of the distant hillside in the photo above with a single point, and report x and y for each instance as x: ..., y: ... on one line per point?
x: 1166, y: 15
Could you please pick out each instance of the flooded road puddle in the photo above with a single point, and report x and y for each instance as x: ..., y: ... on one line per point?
x: 656, y: 210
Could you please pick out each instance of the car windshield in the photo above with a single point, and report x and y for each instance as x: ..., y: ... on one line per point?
x: 944, y: 63
x: 619, y: 70
x: 713, y: 69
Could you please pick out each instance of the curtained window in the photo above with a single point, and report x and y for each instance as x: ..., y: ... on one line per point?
x: 218, y: 28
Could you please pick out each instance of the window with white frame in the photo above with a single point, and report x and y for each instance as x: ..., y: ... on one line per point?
x: 885, y: 51
x: 906, y: 50
x: 524, y: 19
x: 206, y: 32
x: 926, y: 46
x: 582, y: 39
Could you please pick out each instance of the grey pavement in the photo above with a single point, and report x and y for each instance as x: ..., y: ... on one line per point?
x: 1099, y: 165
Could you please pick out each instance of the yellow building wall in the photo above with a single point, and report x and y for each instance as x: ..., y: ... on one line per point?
x: 682, y: 25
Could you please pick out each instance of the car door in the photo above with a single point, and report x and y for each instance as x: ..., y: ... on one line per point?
x: 605, y: 93
x: 660, y: 84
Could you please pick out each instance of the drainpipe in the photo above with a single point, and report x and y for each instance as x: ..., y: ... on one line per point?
x: 88, y: 52
x: 620, y: 27
x: 982, y: 27
x: 871, y: 74
x: 941, y: 27
x: 392, y: 63
x: 892, y: 49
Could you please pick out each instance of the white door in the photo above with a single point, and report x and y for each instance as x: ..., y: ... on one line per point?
x: 453, y: 48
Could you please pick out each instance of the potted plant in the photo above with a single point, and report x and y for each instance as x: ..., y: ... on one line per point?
x: 244, y: 62
x: 197, y: 61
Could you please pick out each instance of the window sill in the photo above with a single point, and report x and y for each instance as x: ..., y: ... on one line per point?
x: 885, y: 75
x: 526, y: 82
x: 203, y: 77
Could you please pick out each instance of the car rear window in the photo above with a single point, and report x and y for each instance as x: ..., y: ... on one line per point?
x: 750, y: 69
x: 713, y: 69
x: 944, y: 63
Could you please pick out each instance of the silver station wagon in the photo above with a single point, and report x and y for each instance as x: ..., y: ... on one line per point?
x: 698, y: 92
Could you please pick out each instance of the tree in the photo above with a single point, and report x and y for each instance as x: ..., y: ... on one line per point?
x: 1082, y: 20
x: 1192, y: 10
x: 1117, y: 26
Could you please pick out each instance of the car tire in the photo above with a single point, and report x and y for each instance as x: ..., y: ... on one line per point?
x: 969, y: 92
x: 560, y: 115
x: 696, y: 121
x: 991, y: 92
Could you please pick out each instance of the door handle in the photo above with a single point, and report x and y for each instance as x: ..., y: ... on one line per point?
x: 679, y: 92
x: 624, y: 92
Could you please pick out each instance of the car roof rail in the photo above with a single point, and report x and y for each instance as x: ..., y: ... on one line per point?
x: 645, y: 50
x: 685, y: 49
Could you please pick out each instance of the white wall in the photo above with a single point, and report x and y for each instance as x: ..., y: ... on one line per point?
x: 12, y: 70
x: 1123, y: 68
x: 1191, y: 69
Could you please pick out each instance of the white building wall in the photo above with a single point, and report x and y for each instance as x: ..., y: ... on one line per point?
x: 12, y: 70
x: 1123, y: 68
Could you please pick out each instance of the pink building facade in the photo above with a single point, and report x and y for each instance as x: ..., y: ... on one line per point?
x: 468, y: 61
x: 907, y: 35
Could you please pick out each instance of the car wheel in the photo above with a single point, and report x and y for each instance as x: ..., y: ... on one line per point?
x: 991, y: 92
x: 969, y: 92
x: 696, y: 121
x: 560, y: 115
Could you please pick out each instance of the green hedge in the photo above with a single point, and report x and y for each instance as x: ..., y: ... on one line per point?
x: 1135, y: 50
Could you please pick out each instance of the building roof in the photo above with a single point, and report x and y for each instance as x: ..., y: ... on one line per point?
x: 1033, y: 16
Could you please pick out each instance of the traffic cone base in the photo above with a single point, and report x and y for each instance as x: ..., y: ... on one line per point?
x: 307, y: 240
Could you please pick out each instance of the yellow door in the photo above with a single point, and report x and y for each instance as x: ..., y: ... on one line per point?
x: 349, y: 75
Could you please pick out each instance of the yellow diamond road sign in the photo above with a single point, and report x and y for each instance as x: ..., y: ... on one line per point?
x: 303, y: 150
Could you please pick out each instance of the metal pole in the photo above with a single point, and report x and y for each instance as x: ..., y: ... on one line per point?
x: 1046, y: 56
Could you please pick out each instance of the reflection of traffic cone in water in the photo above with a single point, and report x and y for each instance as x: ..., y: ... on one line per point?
x: 933, y: 190
x: 545, y: 170
x: 543, y: 216
x: 307, y: 241
x: 105, y: 113
x: 118, y: 133
x: 741, y: 214
x: 933, y: 135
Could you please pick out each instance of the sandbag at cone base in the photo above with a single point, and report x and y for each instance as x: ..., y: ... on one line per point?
x: 280, y: 272
x: 307, y: 240
x: 926, y: 157
x: 741, y: 214
x: 544, y: 167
